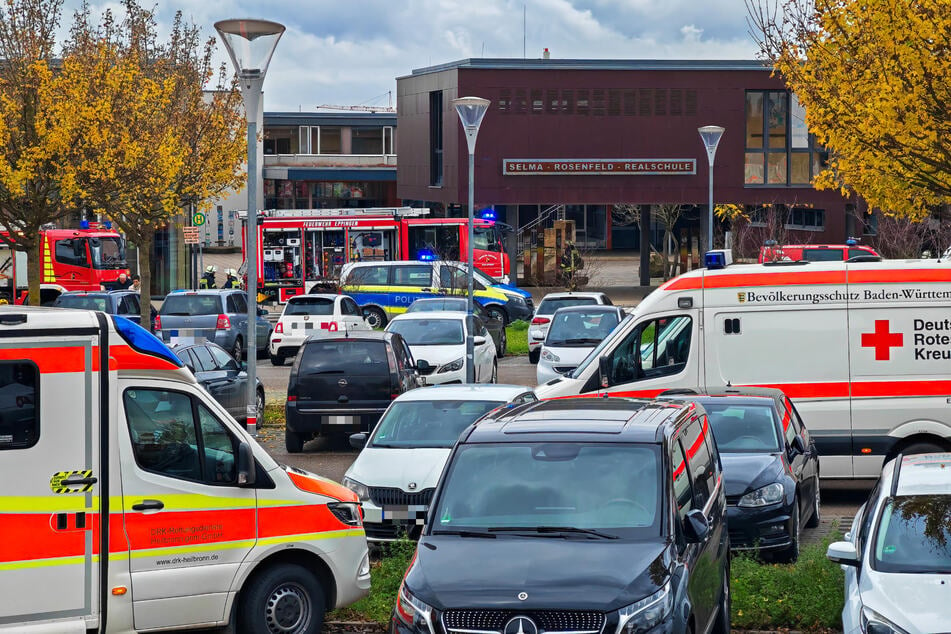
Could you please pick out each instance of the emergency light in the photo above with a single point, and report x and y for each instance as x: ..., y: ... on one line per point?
x: 83, y: 224
x: 425, y: 255
x: 488, y: 214
x: 851, y: 241
x: 718, y: 259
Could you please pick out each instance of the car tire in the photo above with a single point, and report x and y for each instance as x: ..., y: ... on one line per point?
x: 816, y: 517
x: 503, y: 344
x: 277, y: 359
x: 922, y: 447
x: 293, y: 442
x: 237, y: 350
x: 374, y: 317
x: 260, y: 407
x: 722, y: 623
x: 534, y: 355
x: 790, y: 554
x: 282, y: 598
x: 497, y: 312
x: 495, y: 372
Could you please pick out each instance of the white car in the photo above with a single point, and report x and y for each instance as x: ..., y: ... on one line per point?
x: 897, y: 559
x: 575, y: 331
x: 396, y: 472
x: 538, y: 329
x: 305, y: 314
x: 439, y: 339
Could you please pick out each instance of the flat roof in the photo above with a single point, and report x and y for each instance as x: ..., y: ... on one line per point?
x: 509, y: 63
x: 346, y: 118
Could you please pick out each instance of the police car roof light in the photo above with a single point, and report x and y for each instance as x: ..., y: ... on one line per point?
x: 143, y: 341
x: 426, y: 256
x: 717, y: 259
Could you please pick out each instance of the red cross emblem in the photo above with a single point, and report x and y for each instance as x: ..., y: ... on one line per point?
x: 882, y: 340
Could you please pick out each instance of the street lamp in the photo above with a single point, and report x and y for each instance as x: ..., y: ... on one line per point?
x: 471, y: 110
x: 250, y: 44
x: 710, y: 134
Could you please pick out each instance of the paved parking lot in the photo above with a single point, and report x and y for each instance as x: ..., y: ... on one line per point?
x: 330, y: 457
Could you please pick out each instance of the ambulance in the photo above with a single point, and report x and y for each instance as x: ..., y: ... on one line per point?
x: 131, y: 501
x: 863, y: 349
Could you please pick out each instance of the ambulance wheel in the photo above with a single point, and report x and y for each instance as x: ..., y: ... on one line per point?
x: 374, y: 317
x: 293, y: 442
x: 277, y: 359
x: 237, y: 350
x: 284, y: 599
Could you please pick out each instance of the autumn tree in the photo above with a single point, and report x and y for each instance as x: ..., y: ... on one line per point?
x: 162, y: 141
x: 32, y: 139
x: 875, y: 79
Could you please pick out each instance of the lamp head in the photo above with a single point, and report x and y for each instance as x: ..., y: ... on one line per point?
x: 471, y: 110
x: 710, y: 135
x: 250, y: 44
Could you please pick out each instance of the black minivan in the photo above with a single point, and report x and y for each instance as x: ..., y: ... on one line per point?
x: 341, y: 383
x: 585, y: 515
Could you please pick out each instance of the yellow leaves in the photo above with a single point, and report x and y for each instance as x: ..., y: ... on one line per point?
x: 731, y: 212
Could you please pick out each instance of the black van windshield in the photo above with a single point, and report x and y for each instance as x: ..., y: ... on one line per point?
x: 500, y: 487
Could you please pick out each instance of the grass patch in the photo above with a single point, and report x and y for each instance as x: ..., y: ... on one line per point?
x: 807, y: 595
x: 274, y: 415
x: 385, y: 578
x: 516, y: 334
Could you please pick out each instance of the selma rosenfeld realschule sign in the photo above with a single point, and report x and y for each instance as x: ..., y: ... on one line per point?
x: 598, y: 167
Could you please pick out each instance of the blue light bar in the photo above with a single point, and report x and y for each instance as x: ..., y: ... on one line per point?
x: 83, y: 224
x: 143, y: 341
x: 488, y: 214
x: 424, y: 255
x: 714, y: 260
x: 107, y: 224
x: 851, y: 242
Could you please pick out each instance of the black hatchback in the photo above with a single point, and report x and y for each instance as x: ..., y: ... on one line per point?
x: 341, y: 383
x: 574, y: 515
x: 770, y: 466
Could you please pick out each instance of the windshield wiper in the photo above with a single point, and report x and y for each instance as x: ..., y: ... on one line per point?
x: 582, y: 340
x: 462, y: 533
x: 552, y: 530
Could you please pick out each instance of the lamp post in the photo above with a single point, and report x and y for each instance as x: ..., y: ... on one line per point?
x: 471, y: 110
x: 710, y: 134
x: 250, y: 44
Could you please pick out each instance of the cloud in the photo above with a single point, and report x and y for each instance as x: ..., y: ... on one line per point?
x: 350, y: 52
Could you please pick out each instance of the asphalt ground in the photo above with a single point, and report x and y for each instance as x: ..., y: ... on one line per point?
x: 331, y: 457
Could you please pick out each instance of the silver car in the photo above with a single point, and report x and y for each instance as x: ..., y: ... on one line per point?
x: 550, y: 303
x: 575, y: 331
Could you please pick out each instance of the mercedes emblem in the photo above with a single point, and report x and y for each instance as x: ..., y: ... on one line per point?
x: 520, y: 625
x: 522, y: 596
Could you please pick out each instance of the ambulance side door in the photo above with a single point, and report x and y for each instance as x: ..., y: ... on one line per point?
x: 660, y: 353
x: 52, y: 474
x: 188, y: 523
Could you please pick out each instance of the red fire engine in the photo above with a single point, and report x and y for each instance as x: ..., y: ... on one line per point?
x: 298, y: 248
x: 73, y: 260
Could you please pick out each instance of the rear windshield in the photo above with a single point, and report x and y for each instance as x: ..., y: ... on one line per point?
x: 83, y: 301
x: 743, y: 428
x: 429, y: 332
x: 191, y: 305
x: 351, y: 356
x: 310, y: 306
x: 550, y: 305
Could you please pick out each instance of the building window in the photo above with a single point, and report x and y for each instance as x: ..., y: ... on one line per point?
x: 305, y: 138
x: 779, y: 149
x: 326, y: 140
x: 435, y: 138
x: 869, y: 223
x: 582, y: 104
x: 281, y: 140
x: 505, y: 100
x: 537, y: 104
x: 389, y: 146
x: 366, y: 140
x: 806, y: 219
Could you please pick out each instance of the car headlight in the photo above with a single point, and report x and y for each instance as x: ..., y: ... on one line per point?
x: 357, y: 487
x: 548, y: 355
x: 412, y: 611
x: 874, y: 623
x: 646, y: 613
x: 452, y: 366
x: 346, y: 512
x: 518, y: 300
x: 764, y: 496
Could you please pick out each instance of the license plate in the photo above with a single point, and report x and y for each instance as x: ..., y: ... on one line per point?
x: 415, y: 514
x: 341, y: 420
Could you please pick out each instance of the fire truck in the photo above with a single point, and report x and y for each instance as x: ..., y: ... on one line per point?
x: 73, y: 260
x: 299, y: 248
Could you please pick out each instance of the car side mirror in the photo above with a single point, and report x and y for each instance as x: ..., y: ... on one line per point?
x: 246, y: 466
x: 423, y: 365
x: 478, y: 340
x: 797, y: 447
x: 843, y: 553
x: 244, y: 366
x: 358, y: 441
x: 604, y: 371
x: 696, y: 526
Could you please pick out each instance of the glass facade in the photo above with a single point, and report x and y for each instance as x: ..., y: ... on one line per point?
x: 779, y: 149
x: 287, y: 194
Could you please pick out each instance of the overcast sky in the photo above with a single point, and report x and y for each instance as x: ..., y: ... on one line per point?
x: 350, y: 52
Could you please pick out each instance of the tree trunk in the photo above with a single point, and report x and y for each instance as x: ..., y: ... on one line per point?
x: 144, y: 248
x: 34, y: 270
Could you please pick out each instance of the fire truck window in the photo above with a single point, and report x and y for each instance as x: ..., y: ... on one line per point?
x: 72, y: 252
x: 486, y: 239
x: 19, y: 404
x: 162, y: 430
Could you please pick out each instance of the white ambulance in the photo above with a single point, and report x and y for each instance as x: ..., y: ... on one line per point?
x: 864, y: 350
x: 131, y: 501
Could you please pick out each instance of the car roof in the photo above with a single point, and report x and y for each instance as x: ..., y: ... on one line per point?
x: 764, y: 392
x: 454, y: 315
x: 424, y: 300
x: 736, y: 399
x: 583, y: 419
x: 325, y: 335
x: 387, y: 263
x: 922, y: 474
x: 330, y: 296
x: 479, y: 392
x: 564, y: 294
x: 204, y: 291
